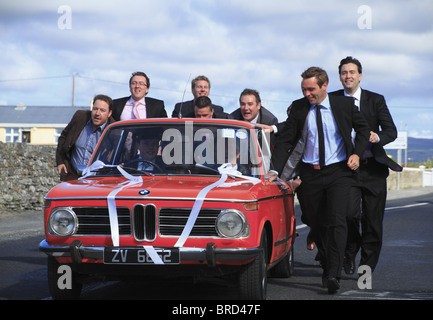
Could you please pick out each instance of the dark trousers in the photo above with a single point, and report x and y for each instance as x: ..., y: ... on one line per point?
x: 325, y: 194
x: 365, y: 219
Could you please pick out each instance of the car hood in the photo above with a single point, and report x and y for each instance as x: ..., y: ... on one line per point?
x: 158, y: 187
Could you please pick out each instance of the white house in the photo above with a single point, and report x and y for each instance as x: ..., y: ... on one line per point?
x: 36, y: 124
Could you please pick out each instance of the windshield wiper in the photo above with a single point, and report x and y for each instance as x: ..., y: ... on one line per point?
x: 134, y: 170
x: 100, y: 167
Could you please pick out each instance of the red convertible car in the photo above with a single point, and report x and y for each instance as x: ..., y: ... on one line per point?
x: 172, y: 197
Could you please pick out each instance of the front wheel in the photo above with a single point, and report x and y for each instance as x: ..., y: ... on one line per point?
x: 284, y: 268
x: 253, y: 277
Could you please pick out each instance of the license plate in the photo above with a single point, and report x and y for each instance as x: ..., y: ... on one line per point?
x: 139, y: 255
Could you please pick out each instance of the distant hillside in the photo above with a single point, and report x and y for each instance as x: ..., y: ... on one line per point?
x: 418, y: 150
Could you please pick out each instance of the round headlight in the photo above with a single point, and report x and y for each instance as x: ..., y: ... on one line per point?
x: 63, y: 222
x: 230, y: 223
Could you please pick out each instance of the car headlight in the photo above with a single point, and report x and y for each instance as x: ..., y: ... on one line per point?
x: 62, y: 222
x: 231, y: 223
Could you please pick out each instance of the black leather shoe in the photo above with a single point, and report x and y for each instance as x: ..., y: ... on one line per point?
x: 349, y: 265
x: 333, y: 285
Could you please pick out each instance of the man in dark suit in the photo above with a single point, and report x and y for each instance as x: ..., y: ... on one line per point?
x: 251, y: 109
x: 325, y: 162
x: 371, y: 190
x: 138, y: 106
x: 200, y: 86
x: 203, y: 108
x: 79, y: 138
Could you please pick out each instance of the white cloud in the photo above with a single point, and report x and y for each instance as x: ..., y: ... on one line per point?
x: 264, y: 45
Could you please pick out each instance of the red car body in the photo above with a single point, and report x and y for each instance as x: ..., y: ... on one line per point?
x: 245, y: 223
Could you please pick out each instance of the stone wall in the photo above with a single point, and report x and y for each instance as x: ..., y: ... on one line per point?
x: 27, y: 173
x: 408, y: 178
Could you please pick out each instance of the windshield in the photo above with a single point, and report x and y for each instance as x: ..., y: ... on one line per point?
x: 181, y: 148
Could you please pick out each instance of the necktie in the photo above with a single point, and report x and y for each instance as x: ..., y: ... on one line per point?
x: 135, y: 109
x: 321, y: 136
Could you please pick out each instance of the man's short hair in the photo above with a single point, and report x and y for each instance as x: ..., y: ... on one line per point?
x: 141, y: 74
x: 199, y: 78
x: 203, y: 102
x: 347, y: 60
x: 320, y: 75
x: 250, y: 92
x: 105, y: 98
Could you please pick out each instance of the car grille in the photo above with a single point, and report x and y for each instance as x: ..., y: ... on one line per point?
x: 143, y: 225
x: 145, y: 222
x: 173, y: 220
x: 96, y: 221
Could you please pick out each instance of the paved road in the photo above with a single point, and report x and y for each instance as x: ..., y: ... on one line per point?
x: 404, y: 271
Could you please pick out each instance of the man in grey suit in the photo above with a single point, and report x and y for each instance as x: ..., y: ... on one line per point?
x: 251, y: 109
x: 371, y: 190
x: 137, y: 105
x: 319, y: 129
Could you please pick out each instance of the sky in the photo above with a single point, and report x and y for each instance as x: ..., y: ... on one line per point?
x: 237, y: 44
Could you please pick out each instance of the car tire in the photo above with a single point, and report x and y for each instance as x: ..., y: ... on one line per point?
x: 284, y: 268
x: 54, y: 276
x: 253, y: 277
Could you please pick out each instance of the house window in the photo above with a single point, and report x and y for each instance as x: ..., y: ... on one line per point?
x: 17, y: 135
x: 12, y: 135
x: 25, y: 136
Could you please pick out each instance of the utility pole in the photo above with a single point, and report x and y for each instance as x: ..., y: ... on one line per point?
x: 73, y: 89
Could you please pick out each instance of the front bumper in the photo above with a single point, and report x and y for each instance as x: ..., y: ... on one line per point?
x: 77, y: 252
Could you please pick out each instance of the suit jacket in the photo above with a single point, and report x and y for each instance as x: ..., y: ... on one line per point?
x: 264, y: 117
x: 67, y: 139
x: 154, y: 108
x: 346, y: 115
x: 188, y: 110
x: 375, y: 111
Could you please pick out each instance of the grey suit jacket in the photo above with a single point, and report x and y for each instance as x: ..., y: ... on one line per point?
x: 265, y: 116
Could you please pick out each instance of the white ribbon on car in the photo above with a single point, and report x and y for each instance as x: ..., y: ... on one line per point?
x: 111, y: 200
x: 225, y: 170
x: 95, y: 166
x: 153, y: 254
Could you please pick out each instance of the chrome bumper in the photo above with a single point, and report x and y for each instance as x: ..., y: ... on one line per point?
x: 210, y: 254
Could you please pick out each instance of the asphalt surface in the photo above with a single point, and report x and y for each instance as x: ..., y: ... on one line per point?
x: 22, y: 224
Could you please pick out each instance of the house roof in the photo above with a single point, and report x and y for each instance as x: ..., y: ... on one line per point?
x: 36, y: 116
